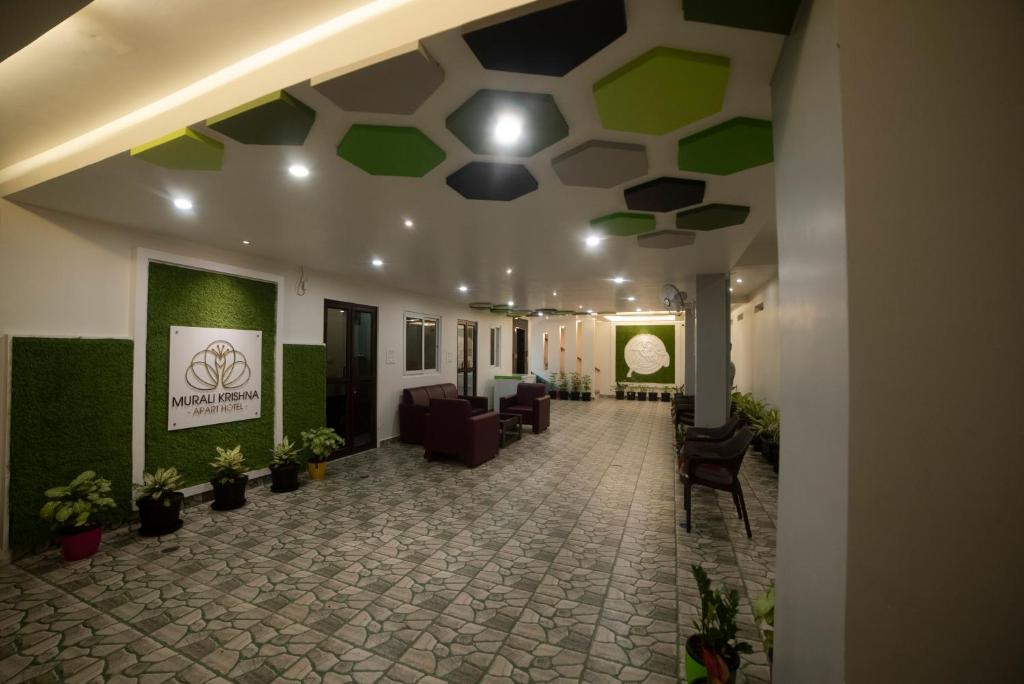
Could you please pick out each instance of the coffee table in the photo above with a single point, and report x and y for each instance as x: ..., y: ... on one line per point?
x: 510, y: 428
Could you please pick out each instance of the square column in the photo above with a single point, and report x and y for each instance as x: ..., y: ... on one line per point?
x: 712, y: 390
x: 689, y: 351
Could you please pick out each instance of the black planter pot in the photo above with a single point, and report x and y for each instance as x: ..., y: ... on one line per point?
x: 229, y: 496
x: 574, y: 396
x: 563, y: 395
x: 641, y: 396
x: 156, y: 518
x: 619, y: 394
x: 553, y: 394
x: 665, y: 396
x: 284, y: 478
x: 652, y: 396
x: 585, y: 396
x: 631, y: 395
x: 770, y: 450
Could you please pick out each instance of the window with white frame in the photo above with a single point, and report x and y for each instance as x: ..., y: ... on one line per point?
x: 495, y: 346
x: 422, y: 343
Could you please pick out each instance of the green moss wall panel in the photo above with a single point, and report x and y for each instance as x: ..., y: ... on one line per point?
x: 183, y: 296
x: 640, y: 348
x: 304, y: 381
x: 71, y: 410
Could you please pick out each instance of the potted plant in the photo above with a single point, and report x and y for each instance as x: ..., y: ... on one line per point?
x: 284, y: 467
x: 574, y: 386
x: 585, y: 384
x: 641, y: 392
x: 764, y: 616
x: 715, y: 643
x: 631, y: 392
x: 652, y: 393
x: 620, y: 390
x: 553, y: 386
x: 563, y: 386
x: 159, y: 504
x: 770, y: 430
x: 665, y: 394
x: 75, y: 511
x: 229, y: 479
x: 321, y: 443
x: 679, y: 392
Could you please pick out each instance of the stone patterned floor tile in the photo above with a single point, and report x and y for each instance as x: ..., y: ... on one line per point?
x: 454, y: 650
x: 522, y: 660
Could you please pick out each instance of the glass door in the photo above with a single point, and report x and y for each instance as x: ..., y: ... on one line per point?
x: 465, y: 352
x: 350, y: 338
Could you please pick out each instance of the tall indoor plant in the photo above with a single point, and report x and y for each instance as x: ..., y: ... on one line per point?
x: 321, y: 443
x: 715, y: 642
x: 574, y: 386
x: 159, y: 503
x: 75, y: 511
x: 229, y: 479
x: 585, y: 385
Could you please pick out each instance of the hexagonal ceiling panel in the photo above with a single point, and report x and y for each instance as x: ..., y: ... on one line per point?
x: 186, y: 150
x: 665, y: 194
x: 552, y: 41
x: 775, y: 16
x: 732, y: 146
x: 274, y: 119
x: 601, y: 164
x: 623, y: 224
x: 666, y: 239
x: 492, y: 181
x: 712, y: 217
x: 480, y: 305
x: 398, y: 85
x: 390, y: 150
x: 662, y: 90
x: 536, y: 115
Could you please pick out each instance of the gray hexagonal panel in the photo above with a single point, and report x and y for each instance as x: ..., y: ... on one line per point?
x: 666, y: 239
x: 601, y: 164
x: 398, y: 85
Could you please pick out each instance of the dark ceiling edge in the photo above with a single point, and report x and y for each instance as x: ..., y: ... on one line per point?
x: 23, y: 21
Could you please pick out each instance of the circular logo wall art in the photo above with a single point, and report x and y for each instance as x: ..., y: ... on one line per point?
x: 645, y: 354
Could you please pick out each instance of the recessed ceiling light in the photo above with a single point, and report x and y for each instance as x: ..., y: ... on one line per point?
x: 463, y: 288
x: 630, y: 299
x: 593, y: 241
x: 590, y: 311
x: 638, y: 310
x: 730, y: 289
x: 246, y: 242
x: 298, y: 170
x: 511, y: 303
x: 541, y: 314
x: 580, y: 306
x: 554, y: 294
x: 409, y: 223
x: 508, y: 271
x: 739, y: 280
x: 508, y: 129
x: 182, y: 203
x: 619, y: 280
x: 377, y: 262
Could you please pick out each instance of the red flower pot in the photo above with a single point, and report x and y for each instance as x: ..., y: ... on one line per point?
x: 80, y: 545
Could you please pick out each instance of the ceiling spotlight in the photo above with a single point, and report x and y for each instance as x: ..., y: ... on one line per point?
x: 246, y: 242
x: 630, y: 299
x: 739, y: 280
x: 511, y: 303
x: 730, y: 289
x: 554, y: 294
x: 590, y: 311
x: 593, y: 241
x: 638, y: 310
x: 298, y: 170
x: 508, y: 271
x: 619, y: 280
x: 541, y: 314
x: 463, y: 288
x: 508, y: 129
x: 408, y: 223
x: 377, y: 262
x: 182, y: 203
x: 580, y: 306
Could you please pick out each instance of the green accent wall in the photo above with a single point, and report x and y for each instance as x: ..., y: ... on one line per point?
x: 184, y: 296
x: 665, y: 333
x: 71, y: 410
x: 304, y: 380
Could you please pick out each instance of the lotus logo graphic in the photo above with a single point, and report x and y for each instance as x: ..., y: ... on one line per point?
x: 645, y: 354
x: 219, y: 365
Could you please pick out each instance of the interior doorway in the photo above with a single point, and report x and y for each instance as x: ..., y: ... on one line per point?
x: 350, y: 338
x: 520, y: 350
x: 465, y: 378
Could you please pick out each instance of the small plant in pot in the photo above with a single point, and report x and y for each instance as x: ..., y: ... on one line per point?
x: 665, y: 394
x: 652, y: 393
x: 553, y: 386
x: 229, y: 479
x: 284, y: 467
x: 641, y: 392
x: 764, y: 616
x: 75, y: 511
x: 585, y: 384
x: 563, y: 386
x: 321, y: 443
x: 574, y: 386
x: 769, y: 430
x: 620, y: 390
x: 678, y: 392
x: 631, y: 392
x: 714, y: 652
x: 159, y: 504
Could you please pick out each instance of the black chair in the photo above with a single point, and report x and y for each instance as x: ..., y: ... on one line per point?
x: 717, y: 465
x: 698, y: 437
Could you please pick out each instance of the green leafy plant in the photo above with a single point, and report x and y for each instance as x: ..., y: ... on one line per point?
x: 158, y: 485
x: 620, y: 387
x: 229, y: 465
x: 574, y: 381
x: 586, y: 382
x: 764, y: 616
x: 79, y: 504
x: 562, y: 381
x: 321, y: 442
x: 285, y: 453
x: 717, y: 622
x: 769, y: 424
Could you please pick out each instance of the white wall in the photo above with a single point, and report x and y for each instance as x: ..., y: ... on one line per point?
x: 64, y: 275
x: 755, y: 344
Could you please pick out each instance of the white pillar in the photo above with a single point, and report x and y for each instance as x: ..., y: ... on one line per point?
x: 689, y: 351
x: 712, y: 403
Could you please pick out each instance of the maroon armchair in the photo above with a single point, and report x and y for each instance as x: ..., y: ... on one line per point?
x: 452, y: 429
x: 415, y: 406
x: 532, y: 403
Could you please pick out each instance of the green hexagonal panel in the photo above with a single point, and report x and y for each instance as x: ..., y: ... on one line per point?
x: 186, y: 150
x: 390, y: 150
x: 540, y: 119
x: 735, y: 145
x: 712, y: 217
x: 662, y: 90
x: 274, y: 119
x: 624, y: 224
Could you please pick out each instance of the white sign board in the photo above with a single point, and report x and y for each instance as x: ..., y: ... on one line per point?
x: 214, y: 376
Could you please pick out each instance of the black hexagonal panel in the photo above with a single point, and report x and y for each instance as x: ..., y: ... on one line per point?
x: 665, y: 194
x: 550, y: 42
x: 492, y: 181
x: 474, y: 122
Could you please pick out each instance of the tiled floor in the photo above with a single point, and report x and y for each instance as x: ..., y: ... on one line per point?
x: 560, y: 560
